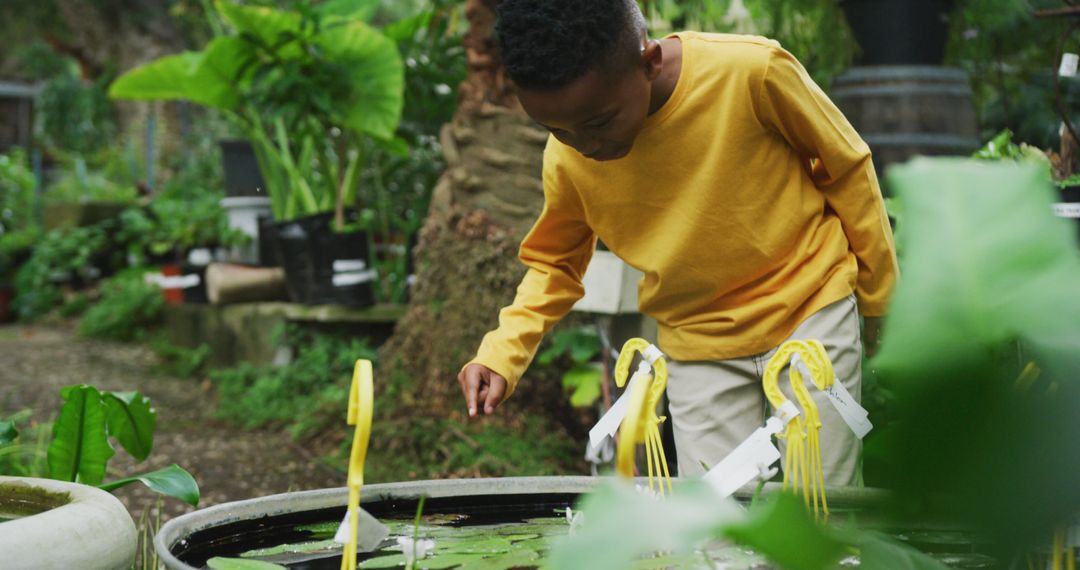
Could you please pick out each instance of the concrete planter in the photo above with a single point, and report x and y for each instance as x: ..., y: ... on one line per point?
x: 63, y: 525
x: 179, y: 531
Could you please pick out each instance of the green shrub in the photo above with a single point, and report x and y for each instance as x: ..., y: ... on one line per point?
x: 179, y: 361
x: 59, y: 255
x: 127, y: 307
x: 305, y: 395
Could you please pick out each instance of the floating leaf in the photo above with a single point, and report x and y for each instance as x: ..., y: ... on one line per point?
x: 293, y: 548
x: 220, y: 563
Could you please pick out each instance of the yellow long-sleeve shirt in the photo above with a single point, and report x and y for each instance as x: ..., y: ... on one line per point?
x: 748, y: 201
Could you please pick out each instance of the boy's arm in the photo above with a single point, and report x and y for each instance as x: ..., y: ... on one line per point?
x: 791, y: 103
x: 557, y: 251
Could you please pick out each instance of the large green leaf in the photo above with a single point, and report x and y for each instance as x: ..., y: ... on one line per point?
x: 784, y: 531
x: 989, y: 282
x: 621, y: 525
x: 166, y: 78
x: 985, y: 263
x: 80, y: 446
x: 172, y: 481
x: 8, y: 433
x: 132, y: 422
x: 374, y: 66
x: 349, y: 9
x: 198, y: 77
x: 267, y: 26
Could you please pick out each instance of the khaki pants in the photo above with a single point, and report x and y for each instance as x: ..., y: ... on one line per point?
x: 716, y: 405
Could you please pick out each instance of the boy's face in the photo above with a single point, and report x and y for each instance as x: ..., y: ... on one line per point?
x: 599, y: 114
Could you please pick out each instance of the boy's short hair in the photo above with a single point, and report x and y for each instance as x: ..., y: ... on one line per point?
x: 547, y: 44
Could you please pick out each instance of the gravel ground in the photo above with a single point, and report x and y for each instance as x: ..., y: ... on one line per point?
x: 230, y: 464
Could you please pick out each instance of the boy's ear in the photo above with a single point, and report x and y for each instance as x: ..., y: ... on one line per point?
x: 652, y: 59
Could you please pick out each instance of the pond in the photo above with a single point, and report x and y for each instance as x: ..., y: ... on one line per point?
x: 495, y: 532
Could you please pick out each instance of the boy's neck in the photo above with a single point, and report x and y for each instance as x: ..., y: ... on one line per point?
x: 664, y: 84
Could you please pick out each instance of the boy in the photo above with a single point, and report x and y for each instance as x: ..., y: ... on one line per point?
x: 715, y: 165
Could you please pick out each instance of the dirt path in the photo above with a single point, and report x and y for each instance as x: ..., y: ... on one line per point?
x: 229, y: 464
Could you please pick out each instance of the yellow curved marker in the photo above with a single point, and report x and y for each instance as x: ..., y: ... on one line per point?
x: 642, y: 425
x: 802, y: 458
x: 361, y: 394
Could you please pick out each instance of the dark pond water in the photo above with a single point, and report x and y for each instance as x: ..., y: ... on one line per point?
x: 491, y: 533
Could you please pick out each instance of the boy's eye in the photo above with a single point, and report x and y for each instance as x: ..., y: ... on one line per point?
x: 600, y: 124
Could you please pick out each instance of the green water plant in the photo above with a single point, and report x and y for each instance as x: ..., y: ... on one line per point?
x: 80, y: 448
x: 303, y: 85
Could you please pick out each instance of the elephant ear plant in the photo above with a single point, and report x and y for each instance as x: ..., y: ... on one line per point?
x: 304, y: 85
x: 80, y: 447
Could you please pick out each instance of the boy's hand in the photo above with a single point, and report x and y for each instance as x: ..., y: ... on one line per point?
x: 481, y: 385
x: 871, y: 335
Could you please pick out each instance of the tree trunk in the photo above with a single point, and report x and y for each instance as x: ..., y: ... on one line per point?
x: 467, y: 267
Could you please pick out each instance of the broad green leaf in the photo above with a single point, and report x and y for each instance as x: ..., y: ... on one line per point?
x: 348, y: 9
x: 207, y: 78
x: 167, y: 78
x: 985, y: 263
x: 132, y: 422
x: 377, y: 75
x: 782, y: 530
x: 267, y: 26
x: 621, y: 525
x: 989, y: 275
x: 878, y: 552
x: 172, y: 481
x: 80, y: 445
x: 406, y: 28
x: 221, y: 563
x: 8, y: 433
x: 585, y: 381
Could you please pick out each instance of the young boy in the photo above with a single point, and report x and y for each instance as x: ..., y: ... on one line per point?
x: 715, y: 165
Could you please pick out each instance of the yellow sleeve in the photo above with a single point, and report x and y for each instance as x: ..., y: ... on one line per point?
x: 557, y: 250
x: 791, y: 104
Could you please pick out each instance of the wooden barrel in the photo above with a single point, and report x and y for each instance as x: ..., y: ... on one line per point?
x: 903, y: 111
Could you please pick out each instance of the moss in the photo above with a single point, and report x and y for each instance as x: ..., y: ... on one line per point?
x: 22, y: 500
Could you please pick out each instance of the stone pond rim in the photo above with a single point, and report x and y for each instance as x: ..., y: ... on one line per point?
x: 181, y: 528
x: 94, y: 528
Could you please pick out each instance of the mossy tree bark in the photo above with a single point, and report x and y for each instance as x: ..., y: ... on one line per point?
x: 467, y: 269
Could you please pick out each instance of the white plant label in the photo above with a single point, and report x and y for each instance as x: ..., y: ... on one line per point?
x: 854, y: 415
x: 374, y: 532
x: 746, y: 461
x: 1067, y: 209
x: 611, y: 420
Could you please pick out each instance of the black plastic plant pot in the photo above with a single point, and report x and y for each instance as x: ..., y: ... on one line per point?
x: 899, y: 32
x: 242, y: 174
x: 195, y: 294
x: 268, y: 250
x: 322, y: 266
